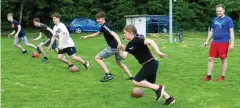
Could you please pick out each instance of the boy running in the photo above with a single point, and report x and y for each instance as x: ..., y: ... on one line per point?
x: 146, y: 77
x: 113, y: 42
x: 66, y: 44
x: 19, y: 34
x: 49, y: 34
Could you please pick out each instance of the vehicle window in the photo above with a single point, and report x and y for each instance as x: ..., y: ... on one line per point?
x: 91, y: 22
x: 79, y: 21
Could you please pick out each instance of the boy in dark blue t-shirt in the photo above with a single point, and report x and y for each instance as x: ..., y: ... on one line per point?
x: 19, y: 34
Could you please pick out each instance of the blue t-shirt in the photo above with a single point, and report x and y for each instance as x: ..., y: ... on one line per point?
x: 15, y: 27
x: 221, y: 28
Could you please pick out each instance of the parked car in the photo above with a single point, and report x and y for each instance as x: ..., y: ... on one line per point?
x: 157, y: 24
x: 80, y: 25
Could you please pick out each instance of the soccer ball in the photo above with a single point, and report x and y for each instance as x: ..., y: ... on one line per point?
x: 136, y: 92
x: 35, y: 55
x: 74, y: 69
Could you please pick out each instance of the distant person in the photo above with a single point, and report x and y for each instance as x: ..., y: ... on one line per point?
x: 19, y: 34
x: 222, y: 31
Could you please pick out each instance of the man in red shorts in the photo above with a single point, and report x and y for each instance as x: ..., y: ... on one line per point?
x: 222, y: 31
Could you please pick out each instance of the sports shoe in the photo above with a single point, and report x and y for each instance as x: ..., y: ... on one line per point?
x: 159, y: 92
x: 221, y: 79
x: 130, y: 78
x: 106, y: 78
x: 87, y: 65
x: 169, y: 101
x: 206, y: 78
x: 45, y: 60
x: 25, y: 51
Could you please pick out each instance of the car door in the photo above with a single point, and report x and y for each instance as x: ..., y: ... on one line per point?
x: 92, y: 25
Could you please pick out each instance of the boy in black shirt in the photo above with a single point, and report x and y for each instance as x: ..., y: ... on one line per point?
x: 49, y: 34
x: 146, y: 77
x: 113, y: 42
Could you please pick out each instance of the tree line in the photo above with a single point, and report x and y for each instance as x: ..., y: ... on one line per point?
x: 191, y: 14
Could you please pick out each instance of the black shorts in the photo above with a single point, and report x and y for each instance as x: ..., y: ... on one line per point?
x: 148, y: 72
x: 69, y: 50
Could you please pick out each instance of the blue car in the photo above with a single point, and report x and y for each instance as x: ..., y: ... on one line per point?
x: 80, y: 25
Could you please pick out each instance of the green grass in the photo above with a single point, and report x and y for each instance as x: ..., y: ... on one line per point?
x: 27, y: 83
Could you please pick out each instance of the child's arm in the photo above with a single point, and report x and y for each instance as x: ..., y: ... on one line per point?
x: 13, y: 32
x: 91, y: 35
x: 39, y: 37
x: 155, y: 47
x: 51, y: 43
x: 121, y: 52
x: 116, y: 38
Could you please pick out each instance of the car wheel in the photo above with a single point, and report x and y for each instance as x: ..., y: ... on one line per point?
x: 78, y: 30
x: 164, y: 30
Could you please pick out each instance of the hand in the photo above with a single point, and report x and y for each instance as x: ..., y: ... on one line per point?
x: 9, y: 35
x: 16, y: 35
x: 162, y: 55
x: 49, y: 48
x: 230, y: 48
x: 121, y: 46
x: 205, y: 44
x: 83, y: 37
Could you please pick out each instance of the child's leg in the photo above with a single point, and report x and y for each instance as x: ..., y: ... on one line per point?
x: 64, y: 60
x: 105, y: 53
x: 40, y: 46
x: 77, y: 58
x: 28, y: 44
x: 146, y: 84
x: 16, y: 44
x: 124, y: 68
x: 224, y: 66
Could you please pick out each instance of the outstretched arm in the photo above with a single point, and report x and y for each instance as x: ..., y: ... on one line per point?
x: 155, y: 47
x: 91, y: 35
x: 39, y: 37
x: 116, y: 38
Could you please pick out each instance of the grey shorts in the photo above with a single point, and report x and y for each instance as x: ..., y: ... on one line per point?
x: 18, y: 40
x: 108, y: 51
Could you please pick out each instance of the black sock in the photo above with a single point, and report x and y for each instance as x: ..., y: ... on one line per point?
x: 223, y: 76
x: 38, y: 50
x: 107, y: 73
x: 70, y: 65
x: 208, y: 76
x: 45, y: 57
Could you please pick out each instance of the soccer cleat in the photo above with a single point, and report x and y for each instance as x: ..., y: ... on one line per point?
x: 169, y: 101
x: 24, y: 52
x: 45, y: 60
x: 87, y: 65
x: 106, y: 78
x: 130, y: 78
x: 221, y: 79
x: 206, y: 78
x: 159, y: 92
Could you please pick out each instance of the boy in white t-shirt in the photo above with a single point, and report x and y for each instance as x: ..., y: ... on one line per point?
x: 66, y: 44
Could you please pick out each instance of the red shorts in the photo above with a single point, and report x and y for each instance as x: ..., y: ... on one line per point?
x: 218, y: 50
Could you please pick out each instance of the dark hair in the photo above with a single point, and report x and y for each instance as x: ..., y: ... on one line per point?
x: 57, y: 15
x: 100, y: 14
x: 220, y: 5
x: 10, y: 14
x: 131, y: 28
x: 36, y: 20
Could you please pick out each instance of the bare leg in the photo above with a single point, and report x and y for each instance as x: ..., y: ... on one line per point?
x: 210, y: 65
x: 19, y: 46
x: 224, y: 66
x: 31, y: 45
x: 40, y: 46
x: 64, y: 60
x: 101, y: 63
x: 124, y: 68
x: 77, y: 58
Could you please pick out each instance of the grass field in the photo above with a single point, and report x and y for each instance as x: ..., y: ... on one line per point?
x: 28, y: 83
